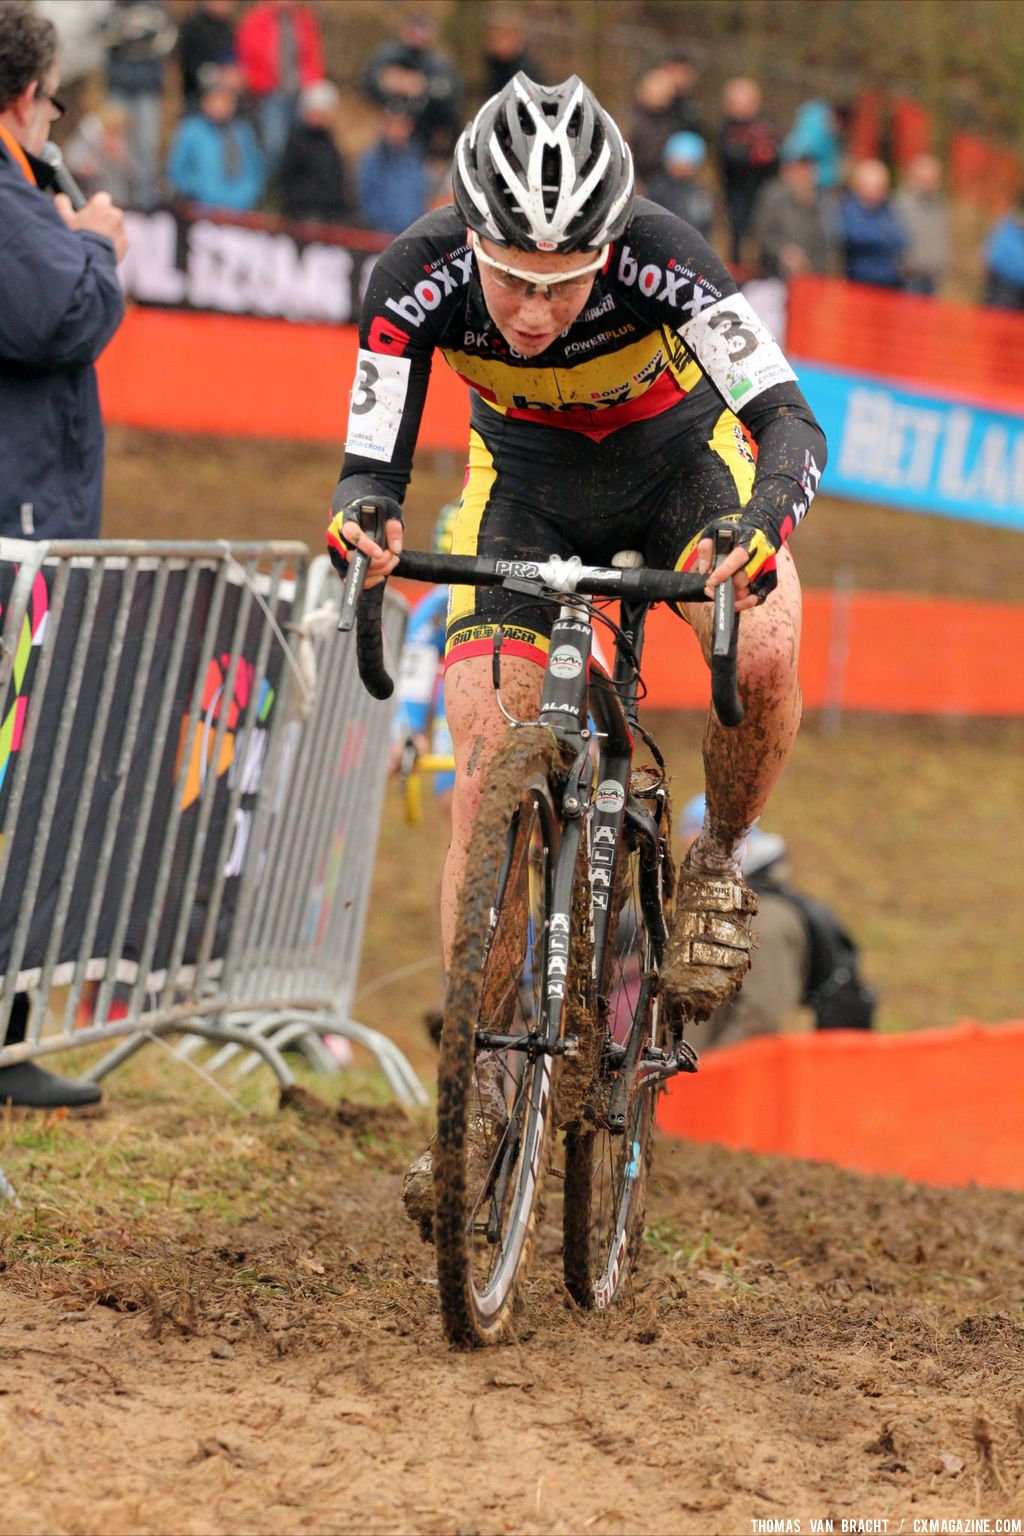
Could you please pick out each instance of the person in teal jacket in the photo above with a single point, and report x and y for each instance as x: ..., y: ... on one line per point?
x: 215, y: 156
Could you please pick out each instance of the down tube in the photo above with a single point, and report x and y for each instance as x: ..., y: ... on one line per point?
x: 609, y: 804
x: 559, y: 935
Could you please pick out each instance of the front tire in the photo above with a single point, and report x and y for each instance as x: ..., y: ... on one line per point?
x: 494, y: 1106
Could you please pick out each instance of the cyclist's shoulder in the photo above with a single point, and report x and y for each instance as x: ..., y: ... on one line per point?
x: 661, y: 259
x: 420, y: 280
x: 436, y: 237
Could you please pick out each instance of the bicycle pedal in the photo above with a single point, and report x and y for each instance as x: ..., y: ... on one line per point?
x: 687, y: 1059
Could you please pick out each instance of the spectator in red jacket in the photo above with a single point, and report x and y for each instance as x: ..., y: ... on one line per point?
x: 748, y: 148
x: 280, y: 50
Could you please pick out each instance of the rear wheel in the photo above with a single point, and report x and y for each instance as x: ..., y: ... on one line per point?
x: 606, y: 1169
x: 494, y: 1101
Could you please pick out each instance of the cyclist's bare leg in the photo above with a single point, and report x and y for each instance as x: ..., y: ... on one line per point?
x: 743, y: 765
x: 478, y: 727
x: 709, y: 951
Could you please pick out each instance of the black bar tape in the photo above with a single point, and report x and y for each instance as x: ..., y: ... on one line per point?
x: 724, y: 691
x: 370, y: 644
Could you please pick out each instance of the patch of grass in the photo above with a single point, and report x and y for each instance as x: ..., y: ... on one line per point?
x: 172, y: 1189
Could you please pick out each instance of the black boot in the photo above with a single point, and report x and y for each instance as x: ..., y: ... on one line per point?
x: 31, y: 1087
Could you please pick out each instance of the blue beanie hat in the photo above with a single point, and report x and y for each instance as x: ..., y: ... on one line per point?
x: 686, y: 146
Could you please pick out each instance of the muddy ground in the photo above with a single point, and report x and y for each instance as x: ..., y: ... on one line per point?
x: 217, y: 1323
x: 216, y: 1319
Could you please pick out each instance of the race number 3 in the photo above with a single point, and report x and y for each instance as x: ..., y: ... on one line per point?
x: 376, y: 405
x: 363, y: 396
x: 736, y: 350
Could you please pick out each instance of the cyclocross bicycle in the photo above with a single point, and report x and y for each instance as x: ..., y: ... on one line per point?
x: 551, y: 1018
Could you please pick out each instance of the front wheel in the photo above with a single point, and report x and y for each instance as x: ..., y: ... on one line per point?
x: 494, y: 1093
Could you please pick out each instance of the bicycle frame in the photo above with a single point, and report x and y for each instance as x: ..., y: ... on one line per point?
x: 602, y: 808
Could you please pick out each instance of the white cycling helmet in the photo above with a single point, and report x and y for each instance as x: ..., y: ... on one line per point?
x: 544, y: 169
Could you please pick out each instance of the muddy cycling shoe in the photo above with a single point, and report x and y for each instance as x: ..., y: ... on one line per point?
x: 418, y: 1193
x: 485, y: 1132
x: 487, y: 1124
x: 708, y: 953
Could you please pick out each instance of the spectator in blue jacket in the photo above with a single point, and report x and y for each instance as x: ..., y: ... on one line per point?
x: 870, y: 229
x: 215, y: 155
x: 1004, y: 260
x: 680, y: 187
x: 815, y: 136
x: 60, y: 303
x: 393, y: 181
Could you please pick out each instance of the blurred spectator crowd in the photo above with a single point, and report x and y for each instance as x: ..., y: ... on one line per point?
x: 258, y: 126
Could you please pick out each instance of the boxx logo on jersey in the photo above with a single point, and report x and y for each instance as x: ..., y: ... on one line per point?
x: 666, y: 285
x: 446, y: 278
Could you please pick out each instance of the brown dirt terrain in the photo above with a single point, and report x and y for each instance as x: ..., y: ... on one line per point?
x: 215, y: 1323
x: 220, y: 1322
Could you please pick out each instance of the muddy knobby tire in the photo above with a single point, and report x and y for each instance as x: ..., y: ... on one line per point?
x: 523, y: 777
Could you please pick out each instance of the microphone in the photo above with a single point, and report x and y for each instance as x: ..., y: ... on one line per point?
x: 65, y: 182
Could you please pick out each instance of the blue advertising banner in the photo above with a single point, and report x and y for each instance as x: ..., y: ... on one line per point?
x: 890, y: 444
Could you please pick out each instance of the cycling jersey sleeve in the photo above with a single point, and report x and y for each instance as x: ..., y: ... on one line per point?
x: 673, y: 278
x: 413, y: 293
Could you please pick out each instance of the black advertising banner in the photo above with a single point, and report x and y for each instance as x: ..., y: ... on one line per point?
x: 103, y: 847
x: 248, y: 265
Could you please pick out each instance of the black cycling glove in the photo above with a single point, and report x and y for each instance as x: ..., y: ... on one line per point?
x: 337, y: 545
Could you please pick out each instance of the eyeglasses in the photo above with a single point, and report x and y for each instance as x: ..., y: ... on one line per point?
x: 525, y: 284
x: 57, y: 107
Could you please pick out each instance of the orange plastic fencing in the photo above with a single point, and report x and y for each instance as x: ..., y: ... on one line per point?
x: 941, y: 1105
x: 888, y: 651
x: 960, y: 350
x: 228, y: 375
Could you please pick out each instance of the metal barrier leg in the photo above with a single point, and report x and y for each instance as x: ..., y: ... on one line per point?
x: 242, y: 1038
x: 308, y: 1040
x: 248, y: 1042
x: 122, y: 1052
x: 291, y: 1024
x: 404, y: 1082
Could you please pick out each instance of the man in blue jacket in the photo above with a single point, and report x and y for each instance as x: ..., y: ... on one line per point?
x: 870, y: 230
x: 60, y: 303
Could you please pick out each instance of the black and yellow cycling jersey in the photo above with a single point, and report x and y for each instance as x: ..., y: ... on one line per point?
x: 665, y: 403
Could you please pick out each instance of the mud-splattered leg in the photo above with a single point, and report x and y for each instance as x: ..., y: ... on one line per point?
x: 742, y: 766
x: 477, y: 727
x: 709, y: 950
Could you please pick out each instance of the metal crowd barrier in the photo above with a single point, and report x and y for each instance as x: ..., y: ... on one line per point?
x: 190, y: 790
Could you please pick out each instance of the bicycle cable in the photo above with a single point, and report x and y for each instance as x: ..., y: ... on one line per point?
x: 591, y: 606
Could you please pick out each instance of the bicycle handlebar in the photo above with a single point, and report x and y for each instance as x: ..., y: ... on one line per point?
x: 560, y: 578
